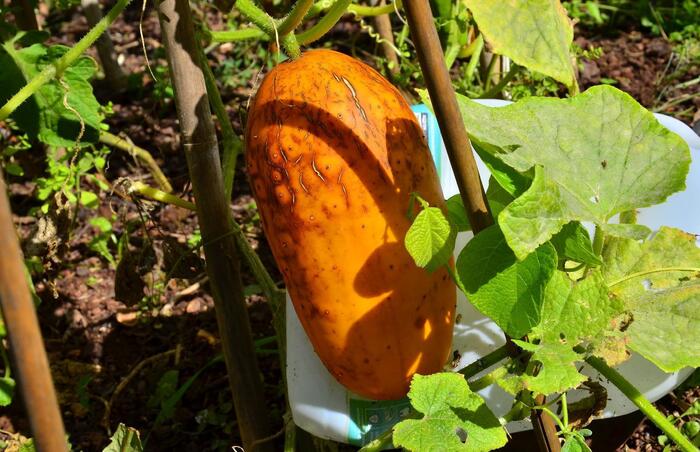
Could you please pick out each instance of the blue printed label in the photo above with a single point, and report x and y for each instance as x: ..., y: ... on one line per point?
x: 369, y: 418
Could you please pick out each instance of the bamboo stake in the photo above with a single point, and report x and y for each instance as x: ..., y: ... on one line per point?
x: 437, y: 79
x: 223, y: 267
x: 26, y: 344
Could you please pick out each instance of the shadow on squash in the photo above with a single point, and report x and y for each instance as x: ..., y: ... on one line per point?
x: 401, y: 317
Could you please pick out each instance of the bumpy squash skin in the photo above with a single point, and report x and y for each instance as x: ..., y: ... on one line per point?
x: 333, y: 154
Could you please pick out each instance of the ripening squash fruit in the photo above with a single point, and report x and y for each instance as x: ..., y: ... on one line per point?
x: 334, y: 153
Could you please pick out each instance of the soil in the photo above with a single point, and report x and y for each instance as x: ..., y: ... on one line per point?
x: 114, y: 355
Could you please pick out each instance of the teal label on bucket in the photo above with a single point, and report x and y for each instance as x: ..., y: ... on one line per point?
x: 370, y: 418
x: 431, y: 131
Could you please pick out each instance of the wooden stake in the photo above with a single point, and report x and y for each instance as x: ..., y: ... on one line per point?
x: 26, y: 344
x: 215, y: 220
x: 437, y: 79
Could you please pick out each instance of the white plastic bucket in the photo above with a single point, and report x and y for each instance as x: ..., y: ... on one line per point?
x: 323, y: 407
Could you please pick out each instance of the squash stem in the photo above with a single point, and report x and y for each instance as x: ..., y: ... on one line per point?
x: 294, y: 18
x: 487, y: 361
x: 636, y: 397
x: 256, y: 15
x: 335, y: 12
x: 241, y: 34
x: 361, y: 10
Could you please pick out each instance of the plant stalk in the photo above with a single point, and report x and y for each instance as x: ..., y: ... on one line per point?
x: 497, y: 90
x: 231, y: 144
x: 437, y: 79
x: 485, y: 362
x: 26, y: 343
x: 362, y: 10
x: 214, y: 215
x: 158, y: 195
x: 295, y: 16
x: 335, y: 12
x: 636, y: 397
x: 382, y: 23
x: 260, y: 18
x: 56, y: 69
x: 474, y: 58
x: 140, y: 154
x: 241, y: 34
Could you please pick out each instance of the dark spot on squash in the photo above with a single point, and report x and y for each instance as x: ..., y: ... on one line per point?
x: 420, y: 321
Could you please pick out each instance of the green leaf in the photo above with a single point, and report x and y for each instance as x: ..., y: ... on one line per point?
x: 509, y: 291
x: 668, y: 248
x: 575, y: 443
x: 663, y: 306
x: 457, y: 214
x: 534, y: 217
x: 7, y: 390
x: 498, y: 197
x: 450, y: 411
x: 27, y: 446
x: 666, y: 327
x: 89, y: 199
x: 576, y: 310
x: 101, y: 223
x: 557, y: 372
x: 573, y: 243
x: 534, y: 33
x: 44, y: 115
x: 166, y: 387
x: 604, y: 153
x: 430, y: 240
x: 125, y: 439
x: 626, y: 231
x: 14, y: 169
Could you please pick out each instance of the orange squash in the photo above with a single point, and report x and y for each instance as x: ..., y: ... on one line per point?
x: 333, y: 154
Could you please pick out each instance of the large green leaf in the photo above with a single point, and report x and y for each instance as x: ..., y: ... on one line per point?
x: 45, y: 115
x: 454, y: 418
x: 509, y: 291
x: 658, y: 282
x: 533, y: 33
x: 668, y: 248
x: 666, y: 327
x: 601, y: 153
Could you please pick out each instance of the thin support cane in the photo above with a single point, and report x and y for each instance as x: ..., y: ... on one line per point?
x: 26, y: 344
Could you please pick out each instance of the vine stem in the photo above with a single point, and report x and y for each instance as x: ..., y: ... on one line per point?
x: 655, y: 270
x: 295, y: 16
x: 636, y: 397
x: 138, y: 153
x: 485, y: 362
x: 237, y: 35
x: 231, y: 145
x: 335, y: 12
x: 361, y: 10
x: 256, y: 15
x: 514, y: 69
x: 160, y: 196
x: 57, y: 68
x: 474, y: 59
